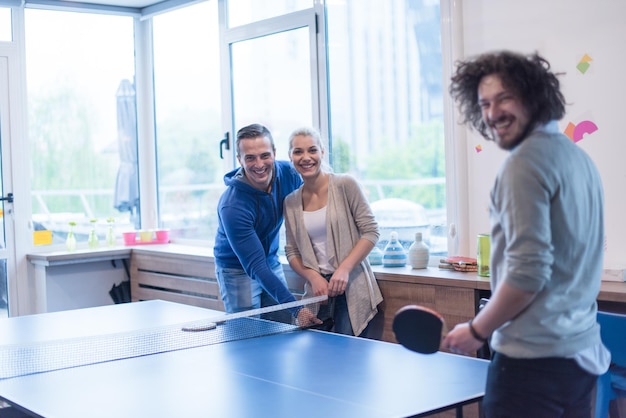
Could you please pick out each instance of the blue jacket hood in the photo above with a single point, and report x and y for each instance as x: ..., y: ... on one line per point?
x: 250, y: 219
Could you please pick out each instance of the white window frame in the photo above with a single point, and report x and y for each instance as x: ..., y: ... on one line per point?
x: 457, y: 198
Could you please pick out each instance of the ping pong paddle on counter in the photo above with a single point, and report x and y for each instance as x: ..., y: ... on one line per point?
x: 419, y: 328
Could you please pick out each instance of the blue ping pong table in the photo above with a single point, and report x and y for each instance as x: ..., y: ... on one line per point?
x: 294, y: 374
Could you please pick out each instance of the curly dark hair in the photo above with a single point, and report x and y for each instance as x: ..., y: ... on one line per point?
x: 528, y: 76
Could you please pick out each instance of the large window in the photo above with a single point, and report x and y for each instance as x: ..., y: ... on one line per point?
x: 188, y: 120
x: 80, y: 82
x: 276, y: 90
x: 386, y: 109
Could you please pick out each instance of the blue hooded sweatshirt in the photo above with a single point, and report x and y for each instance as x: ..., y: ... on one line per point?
x: 249, y: 225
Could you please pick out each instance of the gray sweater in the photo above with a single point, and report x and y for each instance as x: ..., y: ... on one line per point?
x: 548, y: 237
x: 348, y: 218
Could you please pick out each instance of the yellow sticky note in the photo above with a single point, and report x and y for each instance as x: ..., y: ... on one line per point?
x: 42, y: 237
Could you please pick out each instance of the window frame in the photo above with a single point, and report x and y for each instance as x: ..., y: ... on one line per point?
x: 456, y: 145
x: 456, y: 153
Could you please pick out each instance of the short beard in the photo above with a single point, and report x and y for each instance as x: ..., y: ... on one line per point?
x: 487, y: 133
x: 520, y: 138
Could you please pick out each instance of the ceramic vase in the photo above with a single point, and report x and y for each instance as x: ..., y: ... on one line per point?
x: 394, y: 254
x: 418, y: 253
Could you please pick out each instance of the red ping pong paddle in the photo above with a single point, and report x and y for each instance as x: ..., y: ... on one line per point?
x: 419, y: 329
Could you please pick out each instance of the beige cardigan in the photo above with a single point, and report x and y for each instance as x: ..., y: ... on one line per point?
x: 348, y: 218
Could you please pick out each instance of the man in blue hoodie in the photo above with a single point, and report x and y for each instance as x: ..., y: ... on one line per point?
x: 250, y: 214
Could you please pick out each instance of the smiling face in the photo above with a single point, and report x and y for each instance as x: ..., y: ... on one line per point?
x: 306, y: 155
x: 503, y: 112
x: 256, y: 156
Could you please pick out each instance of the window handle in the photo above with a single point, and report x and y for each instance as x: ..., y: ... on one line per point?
x: 8, y: 198
x: 224, y: 143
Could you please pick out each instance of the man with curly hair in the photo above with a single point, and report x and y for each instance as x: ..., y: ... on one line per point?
x: 547, y: 235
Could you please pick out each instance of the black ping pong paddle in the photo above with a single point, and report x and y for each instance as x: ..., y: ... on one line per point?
x: 418, y: 328
x: 326, y: 325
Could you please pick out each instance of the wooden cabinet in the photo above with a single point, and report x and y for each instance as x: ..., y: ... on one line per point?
x: 184, y: 275
x: 171, y: 277
x: 454, y: 304
x: 454, y: 295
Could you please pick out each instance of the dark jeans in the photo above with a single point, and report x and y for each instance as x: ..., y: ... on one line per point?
x: 537, y: 388
x: 337, y: 308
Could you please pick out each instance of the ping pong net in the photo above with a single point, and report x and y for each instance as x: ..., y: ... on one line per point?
x: 24, y: 359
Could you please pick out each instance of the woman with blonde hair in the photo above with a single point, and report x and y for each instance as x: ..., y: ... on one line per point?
x: 330, y: 230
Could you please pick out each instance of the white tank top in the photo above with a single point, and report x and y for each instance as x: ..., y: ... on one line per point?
x: 315, y: 225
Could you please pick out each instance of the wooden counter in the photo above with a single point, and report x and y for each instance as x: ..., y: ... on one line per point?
x: 186, y: 274
x: 455, y: 294
x: 433, y: 276
x: 613, y: 292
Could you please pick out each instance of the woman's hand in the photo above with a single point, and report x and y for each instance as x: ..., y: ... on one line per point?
x: 338, y: 282
x: 319, y: 285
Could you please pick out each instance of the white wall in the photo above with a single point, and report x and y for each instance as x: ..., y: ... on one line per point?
x: 562, y: 31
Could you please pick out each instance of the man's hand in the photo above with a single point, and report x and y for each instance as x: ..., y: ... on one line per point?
x: 307, y: 319
x: 461, y: 341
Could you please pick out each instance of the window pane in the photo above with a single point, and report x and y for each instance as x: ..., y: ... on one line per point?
x: 77, y: 65
x: 188, y: 120
x: 5, y: 24
x: 241, y: 12
x: 276, y: 90
x: 387, y: 111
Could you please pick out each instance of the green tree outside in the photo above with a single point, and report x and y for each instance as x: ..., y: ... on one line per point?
x: 421, y: 157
